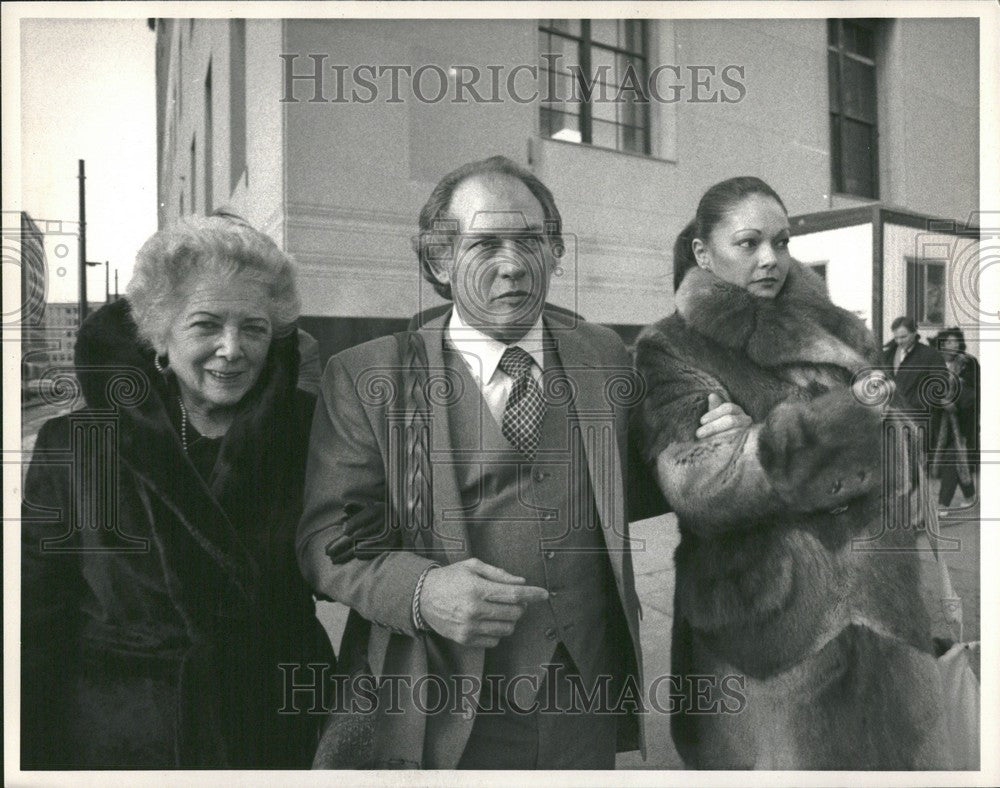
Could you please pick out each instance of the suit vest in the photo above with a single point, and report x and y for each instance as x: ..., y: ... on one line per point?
x: 537, y: 520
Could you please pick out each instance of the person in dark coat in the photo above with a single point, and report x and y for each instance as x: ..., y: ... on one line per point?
x: 792, y: 596
x: 919, y: 373
x: 960, y: 427
x: 162, y: 605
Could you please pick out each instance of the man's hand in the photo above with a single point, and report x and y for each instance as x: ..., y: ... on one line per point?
x: 475, y: 604
x: 721, y: 417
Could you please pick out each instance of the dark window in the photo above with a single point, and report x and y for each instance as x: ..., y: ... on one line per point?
x: 237, y: 101
x: 851, y: 59
x: 593, y: 82
x: 209, y: 140
x: 925, y: 291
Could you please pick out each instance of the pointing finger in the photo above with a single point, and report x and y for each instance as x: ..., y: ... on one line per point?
x: 516, y: 595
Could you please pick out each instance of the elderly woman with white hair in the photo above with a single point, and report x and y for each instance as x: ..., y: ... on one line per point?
x: 164, y: 615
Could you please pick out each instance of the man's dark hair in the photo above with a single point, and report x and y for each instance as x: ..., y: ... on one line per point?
x: 436, y: 210
x: 953, y: 332
x: 907, y: 322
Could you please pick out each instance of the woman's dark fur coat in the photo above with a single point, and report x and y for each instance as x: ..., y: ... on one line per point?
x: 156, y: 610
x: 775, y: 582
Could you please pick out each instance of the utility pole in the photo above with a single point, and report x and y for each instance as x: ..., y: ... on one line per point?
x: 116, y: 284
x: 83, y: 243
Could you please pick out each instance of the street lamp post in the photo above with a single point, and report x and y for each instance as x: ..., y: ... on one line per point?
x: 83, y: 241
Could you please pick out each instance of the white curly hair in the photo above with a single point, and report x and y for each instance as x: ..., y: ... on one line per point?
x: 171, y: 262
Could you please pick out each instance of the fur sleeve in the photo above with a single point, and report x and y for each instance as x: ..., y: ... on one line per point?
x: 716, y: 484
x: 804, y: 457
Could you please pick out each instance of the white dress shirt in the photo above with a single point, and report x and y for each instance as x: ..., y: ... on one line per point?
x: 482, y: 355
x: 900, y: 356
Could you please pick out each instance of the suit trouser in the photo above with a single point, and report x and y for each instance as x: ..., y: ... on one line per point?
x: 542, y: 739
x: 950, y: 481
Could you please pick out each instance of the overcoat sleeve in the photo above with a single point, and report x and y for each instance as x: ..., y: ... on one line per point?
x: 346, y: 484
x: 51, y: 588
x: 803, y: 457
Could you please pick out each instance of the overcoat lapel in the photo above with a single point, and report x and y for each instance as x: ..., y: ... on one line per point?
x: 207, y: 551
x: 449, y: 526
x: 597, y: 418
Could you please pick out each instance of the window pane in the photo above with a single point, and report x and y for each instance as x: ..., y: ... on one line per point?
x: 858, y: 90
x: 568, y: 52
x: 836, y: 164
x: 636, y: 83
x: 934, y: 297
x: 832, y: 25
x: 633, y: 110
x: 604, y: 59
x: 633, y: 139
x: 561, y: 125
x: 631, y: 36
x: 568, y: 26
x: 857, y: 156
x: 859, y: 39
x: 560, y: 91
x: 604, y: 31
x: 605, y: 110
x: 833, y: 80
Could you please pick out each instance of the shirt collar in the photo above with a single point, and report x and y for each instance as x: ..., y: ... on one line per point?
x: 483, y: 353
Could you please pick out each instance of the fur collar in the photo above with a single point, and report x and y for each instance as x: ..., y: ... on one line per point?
x: 799, y: 325
x: 117, y: 376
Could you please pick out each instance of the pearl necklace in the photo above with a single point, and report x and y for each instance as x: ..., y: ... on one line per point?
x: 184, y: 424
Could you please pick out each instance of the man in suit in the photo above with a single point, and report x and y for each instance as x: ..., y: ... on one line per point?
x: 520, y: 558
x: 920, y: 374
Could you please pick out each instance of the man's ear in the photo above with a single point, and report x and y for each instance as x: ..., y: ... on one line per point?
x: 701, y: 255
x: 440, y: 268
x: 437, y: 249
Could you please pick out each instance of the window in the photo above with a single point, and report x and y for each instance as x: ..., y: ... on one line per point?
x: 237, y: 101
x: 209, y: 137
x: 593, y: 74
x: 853, y: 118
x: 925, y: 291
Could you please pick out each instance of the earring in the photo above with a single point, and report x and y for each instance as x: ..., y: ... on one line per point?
x: 161, y: 366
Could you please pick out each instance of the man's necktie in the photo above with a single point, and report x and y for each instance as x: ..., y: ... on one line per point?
x: 522, y: 417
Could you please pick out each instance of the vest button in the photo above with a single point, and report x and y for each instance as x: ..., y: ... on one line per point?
x: 549, y: 516
x: 550, y: 554
x: 540, y: 476
x: 550, y: 633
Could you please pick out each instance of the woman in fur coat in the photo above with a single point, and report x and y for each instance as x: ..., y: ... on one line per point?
x: 793, y: 578
x: 160, y: 590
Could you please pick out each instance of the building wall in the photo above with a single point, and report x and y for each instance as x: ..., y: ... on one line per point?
x: 929, y: 129
x: 190, y: 47
x: 352, y: 218
x: 352, y: 214
x: 847, y: 254
x: 340, y: 184
x: 961, y: 284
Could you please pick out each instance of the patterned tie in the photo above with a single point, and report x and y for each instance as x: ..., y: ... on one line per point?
x: 525, y: 408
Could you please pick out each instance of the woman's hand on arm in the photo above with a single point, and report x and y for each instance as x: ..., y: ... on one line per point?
x: 722, y: 417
